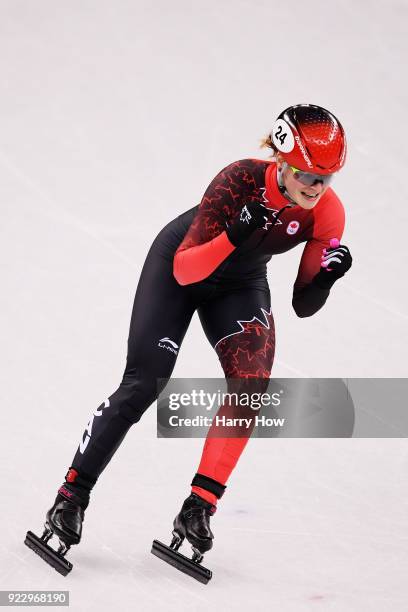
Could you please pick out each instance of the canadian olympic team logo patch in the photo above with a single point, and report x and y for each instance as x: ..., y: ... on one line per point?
x: 292, y: 227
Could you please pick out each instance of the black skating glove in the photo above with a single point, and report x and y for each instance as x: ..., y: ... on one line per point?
x: 335, y: 263
x: 252, y: 216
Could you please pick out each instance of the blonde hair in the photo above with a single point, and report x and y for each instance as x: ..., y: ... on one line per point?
x: 267, y: 143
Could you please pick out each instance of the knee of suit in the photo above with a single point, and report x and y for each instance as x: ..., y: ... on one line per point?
x: 249, y: 385
x: 135, y: 395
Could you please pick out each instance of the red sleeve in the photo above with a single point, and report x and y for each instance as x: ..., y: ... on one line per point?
x: 329, y: 222
x: 206, y: 245
x: 196, y: 263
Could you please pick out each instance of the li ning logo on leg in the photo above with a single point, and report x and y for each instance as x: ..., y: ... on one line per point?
x: 168, y: 344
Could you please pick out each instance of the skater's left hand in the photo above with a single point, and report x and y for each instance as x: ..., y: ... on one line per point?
x: 335, y: 262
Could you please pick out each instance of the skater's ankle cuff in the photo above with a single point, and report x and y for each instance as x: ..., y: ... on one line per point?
x: 77, y: 495
x: 206, y: 495
x: 80, y: 479
x: 209, y: 484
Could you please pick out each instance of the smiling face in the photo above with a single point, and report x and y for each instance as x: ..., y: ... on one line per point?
x: 305, y: 196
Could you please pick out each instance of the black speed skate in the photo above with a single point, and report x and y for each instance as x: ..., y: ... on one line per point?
x: 64, y: 520
x: 192, y: 523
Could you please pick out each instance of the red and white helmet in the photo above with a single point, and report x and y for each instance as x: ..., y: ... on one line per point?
x: 310, y: 138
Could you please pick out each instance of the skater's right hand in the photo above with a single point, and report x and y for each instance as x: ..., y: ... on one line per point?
x: 252, y: 216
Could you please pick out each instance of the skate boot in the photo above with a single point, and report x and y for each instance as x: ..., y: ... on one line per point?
x: 64, y: 519
x: 193, y: 524
x: 66, y: 516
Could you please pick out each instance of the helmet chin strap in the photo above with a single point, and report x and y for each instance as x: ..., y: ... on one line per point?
x: 281, y: 184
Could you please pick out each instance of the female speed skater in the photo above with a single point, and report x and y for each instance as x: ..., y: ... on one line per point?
x: 212, y: 258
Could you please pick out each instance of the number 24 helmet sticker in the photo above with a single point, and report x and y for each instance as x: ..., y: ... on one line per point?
x: 310, y: 138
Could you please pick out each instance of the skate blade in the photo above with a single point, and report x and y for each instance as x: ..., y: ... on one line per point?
x: 181, y: 562
x: 48, y: 554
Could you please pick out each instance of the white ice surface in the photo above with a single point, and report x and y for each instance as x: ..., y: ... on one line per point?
x: 114, y: 116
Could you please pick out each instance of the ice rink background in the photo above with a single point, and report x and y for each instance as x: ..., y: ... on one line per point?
x: 115, y: 115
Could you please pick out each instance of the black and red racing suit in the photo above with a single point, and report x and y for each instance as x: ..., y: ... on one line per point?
x: 191, y: 266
